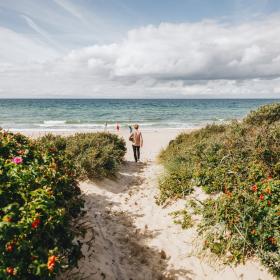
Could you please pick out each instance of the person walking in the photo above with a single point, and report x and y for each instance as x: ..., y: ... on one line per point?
x: 137, y: 142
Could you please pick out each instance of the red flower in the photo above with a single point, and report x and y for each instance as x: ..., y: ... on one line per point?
x: 36, y: 223
x: 254, y: 188
x: 10, y: 270
x: 261, y: 197
x: 51, y: 263
x: 269, y: 178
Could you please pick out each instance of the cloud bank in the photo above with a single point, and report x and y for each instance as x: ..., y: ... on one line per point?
x: 203, y: 59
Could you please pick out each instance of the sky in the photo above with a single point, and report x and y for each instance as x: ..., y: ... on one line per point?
x: 139, y: 49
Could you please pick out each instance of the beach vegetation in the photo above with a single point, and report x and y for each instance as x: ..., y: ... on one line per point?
x: 238, y: 166
x: 39, y: 203
x: 95, y: 155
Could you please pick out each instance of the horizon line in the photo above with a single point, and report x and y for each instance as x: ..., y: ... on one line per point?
x: 114, y: 98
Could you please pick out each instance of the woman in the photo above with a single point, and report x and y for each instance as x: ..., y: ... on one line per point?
x: 137, y: 142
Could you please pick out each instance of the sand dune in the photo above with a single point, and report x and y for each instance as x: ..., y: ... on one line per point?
x: 130, y: 237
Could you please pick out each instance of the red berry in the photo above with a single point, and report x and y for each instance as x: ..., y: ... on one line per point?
x: 254, y: 188
x: 9, y: 247
x: 51, y: 263
x: 10, y: 270
x: 36, y: 223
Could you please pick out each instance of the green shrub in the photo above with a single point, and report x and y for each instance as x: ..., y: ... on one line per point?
x: 183, y: 218
x: 240, y: 154
x: 39, y: 200
x: 189, y: 161
x: 265, y: 114
x: 95, y: 155
x: 237, y: 163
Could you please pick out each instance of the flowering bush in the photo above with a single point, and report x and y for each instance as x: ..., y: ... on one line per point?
x: 243, y: 223
x: 240, y: 164
x: 39, y: 199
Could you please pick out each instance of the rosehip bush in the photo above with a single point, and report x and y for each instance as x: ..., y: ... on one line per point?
x: 239, y: 164
x: 243, y: 223
x: 39, y: 201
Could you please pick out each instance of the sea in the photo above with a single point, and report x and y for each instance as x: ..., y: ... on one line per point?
x: 97, y: 114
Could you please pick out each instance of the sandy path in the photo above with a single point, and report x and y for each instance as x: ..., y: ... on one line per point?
x: 130, y: 237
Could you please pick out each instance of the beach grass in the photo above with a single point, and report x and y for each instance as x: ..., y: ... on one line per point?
x: 239, y: 165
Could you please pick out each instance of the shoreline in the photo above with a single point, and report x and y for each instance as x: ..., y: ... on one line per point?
x: 154, y: 140
x: 74, y: 131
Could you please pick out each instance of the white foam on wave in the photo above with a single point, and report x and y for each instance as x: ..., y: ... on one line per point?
x: 64, y: 125
x: 52, y: 123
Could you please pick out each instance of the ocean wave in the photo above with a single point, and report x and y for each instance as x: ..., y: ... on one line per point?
x: 97, y: 127
x: 52, y: 123
x: 77, y: 125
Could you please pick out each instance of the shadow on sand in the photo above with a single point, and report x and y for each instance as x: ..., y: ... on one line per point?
x: 113, y: 247
x: 129, y: 176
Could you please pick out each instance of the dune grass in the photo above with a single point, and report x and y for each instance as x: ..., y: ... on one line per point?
x: 240, y: 164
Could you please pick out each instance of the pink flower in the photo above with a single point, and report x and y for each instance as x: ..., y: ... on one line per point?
x: 17, y: 160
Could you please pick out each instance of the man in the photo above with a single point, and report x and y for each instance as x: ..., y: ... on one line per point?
x: 137, y: 142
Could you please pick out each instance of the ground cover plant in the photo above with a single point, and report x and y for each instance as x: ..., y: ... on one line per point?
x: 39, y: 202
x: 95, y: 155
x: 239, y: 164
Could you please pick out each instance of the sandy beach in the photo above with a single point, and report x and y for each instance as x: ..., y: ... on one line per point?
x: 130, y: 237
x: 194, y: 205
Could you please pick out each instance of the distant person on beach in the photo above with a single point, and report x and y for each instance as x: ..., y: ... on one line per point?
x: 105, y: 126
x: 118, y: 127
x: 137, y: 142
x: 130, y: 129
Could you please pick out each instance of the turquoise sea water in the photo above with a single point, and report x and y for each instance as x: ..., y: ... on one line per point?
x: 91, y: 114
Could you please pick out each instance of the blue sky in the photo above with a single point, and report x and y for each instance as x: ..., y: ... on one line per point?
x: 77, y: 23
x: 114, y: 48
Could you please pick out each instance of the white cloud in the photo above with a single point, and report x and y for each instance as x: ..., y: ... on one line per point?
x: 205, y: 50
x: 18, y: 48
x: 200, y: 59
